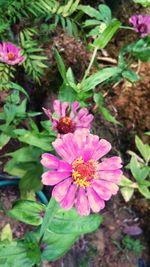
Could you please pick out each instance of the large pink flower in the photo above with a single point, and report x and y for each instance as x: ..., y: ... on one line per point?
x: 141, y: 24
x: 68, y: 118
x: 10, y: 54
x: 79, y: 178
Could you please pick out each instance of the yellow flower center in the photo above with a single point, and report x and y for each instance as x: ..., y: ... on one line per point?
x: 11, y: 56
x: 83, y: 172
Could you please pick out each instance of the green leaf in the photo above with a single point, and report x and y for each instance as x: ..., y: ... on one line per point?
x: 144, y: 183
x: 31, y: 181
x: 127, y: 193
x: 57, y: 245
x: 66, y: 93
x: 145, y: 3
x: 14, y: 254
x: 91, y: 22
x: 14, y: 168
x: 144, y: 149
x: 26, y: 154
x: 141, y: 49
x: 70, y: 222
x: 103, y: 75
x: 131, y: 76
x: 70, y: 78
x: 144, y: 191
x: 61, y: 65
x: 62, y: 228
x: 143, y: 173
x: 107, y: 34
x: 28, y: 211
x: 33, y: 248
x: 125, y: 182
x: 90, y: 11
x: 147, y: 133
x: 107, y: 115
x: 134, y: 167
x: 99, y: 100
x: 6, y: 233
x: 105, y: 12
x: 19, y: 88
x: 4, y: 139
x: 37, y: 139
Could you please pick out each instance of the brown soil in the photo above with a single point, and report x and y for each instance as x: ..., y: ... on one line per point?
x: 133, y: 101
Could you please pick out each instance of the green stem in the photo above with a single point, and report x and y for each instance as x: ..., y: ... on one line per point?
x: 90, y: 64
x: 127, y: 28
x: 50, y: 211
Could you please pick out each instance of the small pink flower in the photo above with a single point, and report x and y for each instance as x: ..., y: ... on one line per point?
x: 141, y: 24
x: 79, y: 178
x: 10, y: 54
x: 69, y: 118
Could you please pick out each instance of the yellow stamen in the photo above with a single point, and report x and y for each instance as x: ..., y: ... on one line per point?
x: 83, y: 172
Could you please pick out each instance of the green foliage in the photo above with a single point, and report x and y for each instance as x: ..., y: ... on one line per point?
x: 6, y: 74
x: 107, y: 34
x: 139, y: 49
x: 100, y: 18
x: 28, y: 211
x: 140, y: 171
x: 104, y: 26
x: 132, y: 245
x: 35, y: 11
x: 6, y: 233
x: 14, y: 254
x: 99, y: 100
x: 59, y: 230
x: 33, y: 62
x: 145, y: 3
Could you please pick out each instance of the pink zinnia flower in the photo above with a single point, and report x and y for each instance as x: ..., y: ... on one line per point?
x: 141, y: 24
x: 79, y: 178
x: 10, y: 54
x: 68, y: 117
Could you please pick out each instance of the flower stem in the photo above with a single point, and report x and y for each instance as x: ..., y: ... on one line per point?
x: 90, y: 64
x: 50, y: 211
x: 127, y: 28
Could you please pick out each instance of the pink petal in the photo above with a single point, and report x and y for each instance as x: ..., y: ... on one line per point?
x: 75, y: 106
x: 63, y: 150
x: 68, y: 201
x: 82, y: 112
x: 133, y: 20
x: 64, y: 108
x: 89, y: 147
x: 49, y: 161
x: 102, y: 149
x: 112, y: 176
x: 60, y: 190
x: 57, y: 107
x: 82, y: 203
x: 70, y: 146
x: 96, y: 203
x: 109, y: 186
x: 103, y: 192
x: 48, y: 113
x: 64, y: 166
x: 112, y: 163
x: 54, y: 177
x: 80, y: 137
x: 85, y: 123
x: 52, y: 162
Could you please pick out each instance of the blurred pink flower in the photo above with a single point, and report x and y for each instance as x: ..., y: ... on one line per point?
x: 10, y: 54
x: 141, y: 24
x: 79, y: 178
x: 68, y: 117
